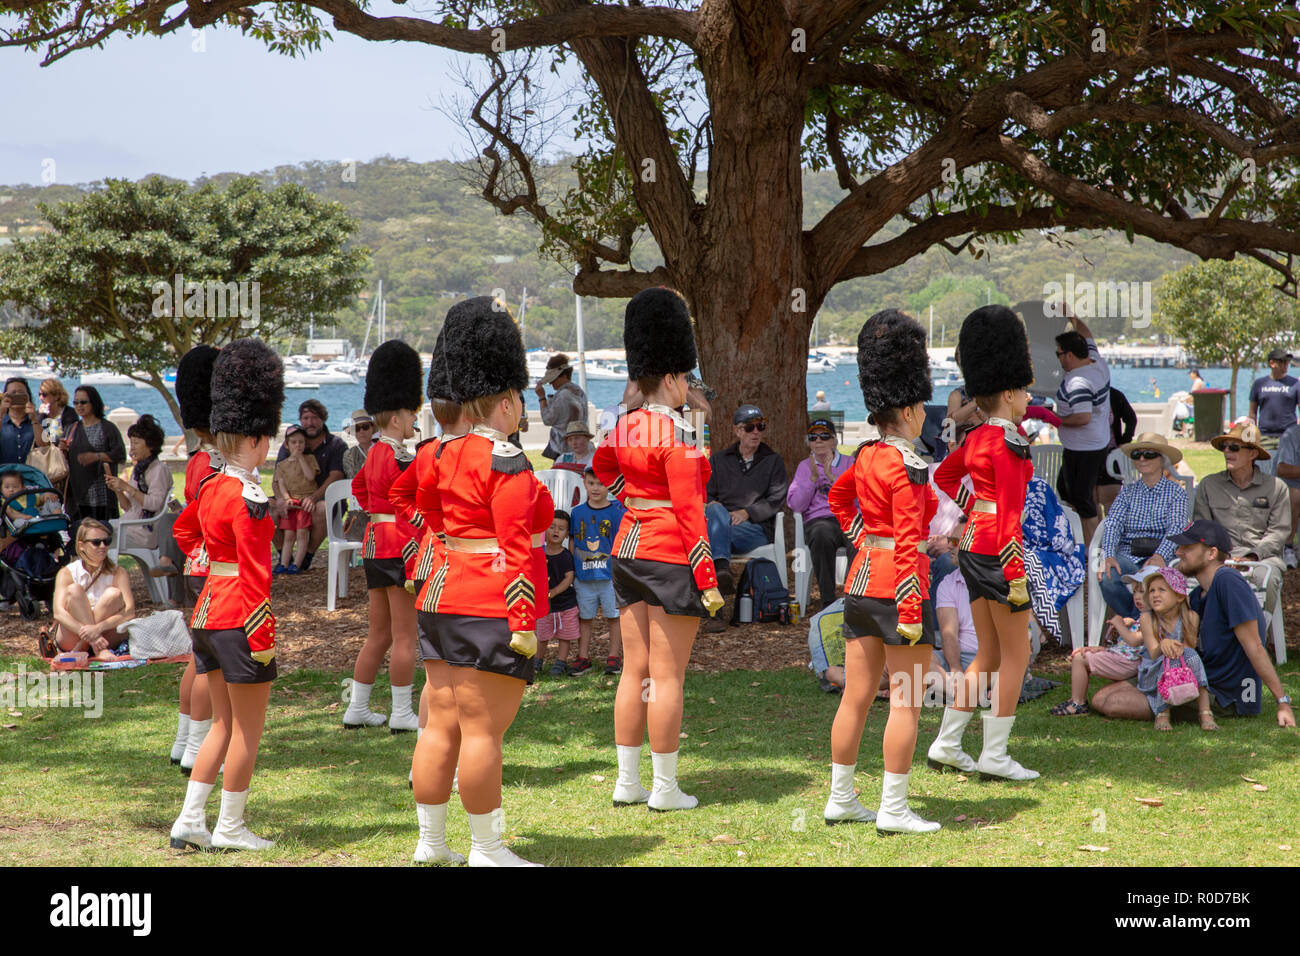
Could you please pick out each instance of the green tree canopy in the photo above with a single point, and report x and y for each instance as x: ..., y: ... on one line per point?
x: 110, y: 265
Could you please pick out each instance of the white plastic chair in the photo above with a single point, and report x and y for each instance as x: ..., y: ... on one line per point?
x: 1096, y: 601
x: 1074, y: 607
x: 562, y: 484
x: 803, y: 566
x: 338, y: 496
x: 774, y: 552
x: 1047, y: 461
x: 1119, y: 465
x: 1274, y: 613
x: 147, y: 558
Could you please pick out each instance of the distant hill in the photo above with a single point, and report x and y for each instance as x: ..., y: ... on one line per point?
x: 434, y: 239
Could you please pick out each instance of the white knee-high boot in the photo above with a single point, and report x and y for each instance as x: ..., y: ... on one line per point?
x: 628, y: 789
x: 191, y: 827
x: 994, y: 764
x: 895, y: 816
x: 231, y: 833
x: 359, y: 713
x: 843, y: 805
x: 485, y: 846
x: 198, y: 731
x: 946, y: 753
x: 182, y: 738
x: 432, y: 847
x: 665, y: 794
x: 403, y: 718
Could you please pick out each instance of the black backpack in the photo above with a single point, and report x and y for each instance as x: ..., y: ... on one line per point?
x: 762, y: 583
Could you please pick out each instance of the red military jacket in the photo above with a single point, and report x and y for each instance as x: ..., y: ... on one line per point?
x: 887, y: 495
x: 480, y: 486
x: 996, y: 456
x: 402, y: 494
x: 385, y: 461
x: 206, y: 461
x: 231, y: 520
x: 646, y: 456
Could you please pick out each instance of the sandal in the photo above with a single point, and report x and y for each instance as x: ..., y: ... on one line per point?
x: 1070, y: 708
x: 49, y: 649
x: 1162, y: 721
x: 1207, y: 720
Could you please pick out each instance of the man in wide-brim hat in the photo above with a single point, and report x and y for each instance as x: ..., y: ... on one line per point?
x: 1255, y: 507
x: 567, y: 404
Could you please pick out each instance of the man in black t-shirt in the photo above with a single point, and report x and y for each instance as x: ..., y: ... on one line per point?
x: 328, y: 450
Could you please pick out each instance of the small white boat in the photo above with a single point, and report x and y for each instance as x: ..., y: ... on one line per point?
x: 105, y: 378
x: 818, y: 363
x: 605, y: 370
x: 290, y: 383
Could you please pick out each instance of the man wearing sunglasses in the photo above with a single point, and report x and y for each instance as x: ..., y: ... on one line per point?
x: 1253, y: 506
x: 746, y: 492
x: 809, y: 495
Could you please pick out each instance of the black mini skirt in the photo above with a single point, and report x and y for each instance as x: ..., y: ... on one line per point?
x: 984, y: 578
x: 878, y: 617
x: 227, y: 651
x: 384, y: 572
x: 669, y: 586
x: 464, y: 641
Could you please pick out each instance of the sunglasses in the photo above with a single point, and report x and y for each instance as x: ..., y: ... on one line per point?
x: 97, y: 542
x: 1146, y: 454
x: 364, y: 428
x: 752, y: 427
x: 1232, y: 446
x: 819, y: 436
x: 80, y: 401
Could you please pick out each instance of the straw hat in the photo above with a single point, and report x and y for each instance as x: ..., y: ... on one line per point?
x: 1156, y: 442
x: 577, y: 428
x: 358, y: 416
x: 1243, y: 433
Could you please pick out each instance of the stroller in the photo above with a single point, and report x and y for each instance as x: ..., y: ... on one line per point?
x: 29, y: 564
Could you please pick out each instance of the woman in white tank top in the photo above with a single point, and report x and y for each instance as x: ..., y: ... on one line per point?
x: 92, y: 595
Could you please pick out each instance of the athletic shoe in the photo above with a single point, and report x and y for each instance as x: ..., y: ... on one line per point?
x: 579, y: 667
x: 1289, y: 556
x: 559, y: 668
x: 292, y: 569
x: 613, y: 665
x: 278, y: 569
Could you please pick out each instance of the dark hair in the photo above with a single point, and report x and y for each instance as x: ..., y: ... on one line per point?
x: 314, y: 405
x: 561, y: 513
x: 19, y: 378
x: 590, y: 471
x: 1074, y: 343
x: 149, y: 431
x: 92, y: 396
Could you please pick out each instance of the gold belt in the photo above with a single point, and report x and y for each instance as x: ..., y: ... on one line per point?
x: 382, y: 518
x: 885, y: 544
x: 988, y: 507
x: 223, y: 569
x: 646, y: 503
x: 481, y: 545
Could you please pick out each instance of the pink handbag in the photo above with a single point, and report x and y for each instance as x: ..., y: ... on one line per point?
x: 1177, y: 684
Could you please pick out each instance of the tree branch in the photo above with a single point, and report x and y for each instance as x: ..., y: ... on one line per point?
x: 618, y: 283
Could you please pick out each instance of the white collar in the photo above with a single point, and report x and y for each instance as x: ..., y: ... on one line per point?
x: 243, y: 474
x: 993, y: 420
x: 680, y: 422
x: 488, y: 432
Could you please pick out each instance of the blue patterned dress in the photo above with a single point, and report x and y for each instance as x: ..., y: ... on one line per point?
x: 1052, y: 557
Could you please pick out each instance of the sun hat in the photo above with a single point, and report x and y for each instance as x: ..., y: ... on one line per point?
x: 556, y: 366
x: 1173, y: 577
x: 1243, y: 433
x: 1156, y: 442
x: 577, y: 428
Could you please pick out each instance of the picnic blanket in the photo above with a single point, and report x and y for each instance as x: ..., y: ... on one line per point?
x: 119, y: 662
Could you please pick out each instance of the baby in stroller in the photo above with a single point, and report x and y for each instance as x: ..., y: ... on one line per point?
x: 32, y: 538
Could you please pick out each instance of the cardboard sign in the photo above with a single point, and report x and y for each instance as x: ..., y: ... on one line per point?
x: 1044, y: 321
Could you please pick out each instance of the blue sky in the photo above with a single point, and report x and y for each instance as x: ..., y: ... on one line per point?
x: 154, y: 104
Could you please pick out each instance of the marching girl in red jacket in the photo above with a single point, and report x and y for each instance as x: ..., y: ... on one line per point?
x: 478, y: 607
x: 393, y: 396
x: 233, y: 628
x: 885, y: 503
x: 662, y: 566
x: 994, y: 356
x: 194, y: 395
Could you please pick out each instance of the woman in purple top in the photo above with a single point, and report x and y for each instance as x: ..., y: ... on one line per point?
x: 807, y: 495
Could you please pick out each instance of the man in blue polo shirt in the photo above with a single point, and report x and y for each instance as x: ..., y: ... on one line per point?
x: 1230, y: 639
x: 1273, y: 399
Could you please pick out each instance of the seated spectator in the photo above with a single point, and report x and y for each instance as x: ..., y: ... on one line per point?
x: 55, y: 410
x: 1229, y: 636
x: 92, y: 595
x: 956, y: 626
x: 821, y: 405
x: 1255, y: 508
x: 328, y: 450
x: 946, y: 528
x: 1052, y: 557
x: 1141, y: 519
x: 95, y: 449
x: 1288, y: 471
x: 17, y: 417
x: 807, y: 495
x: 362, y: 428
x: 1116, y: 659
x: 745, y: 493
x: 150, y: 486
x: 577, y: 440
x: 826, y: 646
x: 293, y: 482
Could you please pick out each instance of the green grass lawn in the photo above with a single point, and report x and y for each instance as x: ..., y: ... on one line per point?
x: 755, y: 751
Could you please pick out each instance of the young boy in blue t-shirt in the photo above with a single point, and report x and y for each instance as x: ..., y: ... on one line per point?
x: 595, y: 523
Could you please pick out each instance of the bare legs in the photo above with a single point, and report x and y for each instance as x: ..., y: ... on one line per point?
x: 486, y: 705
x: 438, y: 748
x: 656, y: 649
x: 77, y: 606
x: 1003, y: 638
x: 238, y: 718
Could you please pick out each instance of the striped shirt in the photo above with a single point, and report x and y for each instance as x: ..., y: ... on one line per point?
x: 1145, y: 511
x: 1086, y: 389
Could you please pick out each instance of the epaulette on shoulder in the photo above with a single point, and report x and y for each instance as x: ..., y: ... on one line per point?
x: 509, y: 459
x: 425, y: 442
x: 918, y: 473
x: 254, y: 500
x: 1015, y: 442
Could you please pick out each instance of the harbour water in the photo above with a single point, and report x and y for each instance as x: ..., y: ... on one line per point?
x: 841, y: 387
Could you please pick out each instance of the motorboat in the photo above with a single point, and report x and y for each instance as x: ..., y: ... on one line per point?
x: 819, y: 363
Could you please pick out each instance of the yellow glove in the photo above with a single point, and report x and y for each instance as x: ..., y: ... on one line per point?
x: 713, y: 601
x: 523, y: 643
x: 263, y: 657
x: 912, y: 632
x: 1018, y: 592
x: 409, y: 586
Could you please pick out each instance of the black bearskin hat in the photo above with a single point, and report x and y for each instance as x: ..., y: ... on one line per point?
x: 393, y: 379
x: 893, y: 365
x: 657, y: 335
x: 483, y: 352
x: 438, y: 388
x: 194, y: 386
x: 993, y: 351
x: 247, y: 389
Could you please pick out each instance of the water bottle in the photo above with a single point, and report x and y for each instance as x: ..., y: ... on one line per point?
x: 746, y: 608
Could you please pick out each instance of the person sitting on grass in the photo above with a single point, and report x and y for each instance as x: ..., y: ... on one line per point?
x: 1116, y: 662
x: 561, y: 621
x: 595, y: 523
x: 1169, y: 633
x: 92, y: 595
x: 293, y: 482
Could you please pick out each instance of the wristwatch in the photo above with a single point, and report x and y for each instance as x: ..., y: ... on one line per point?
x: 1284, y: 699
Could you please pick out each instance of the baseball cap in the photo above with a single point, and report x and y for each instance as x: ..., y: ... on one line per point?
x: 1206, y: 532
x: 1279, y: 355
x: 822, y: 423
x: 746, y: 413
x: 1140, y: 575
